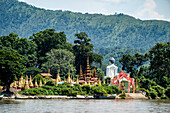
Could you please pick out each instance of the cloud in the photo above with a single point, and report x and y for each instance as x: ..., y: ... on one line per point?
x: 114, y: 1
x: 21, y: 0
x: 148, y: 11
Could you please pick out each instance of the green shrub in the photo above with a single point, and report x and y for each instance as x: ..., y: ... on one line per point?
x: 153, y: 93
x: 123, y: 95
x: 167, y: 91
x: 50, y: 83
x: 160, y: 90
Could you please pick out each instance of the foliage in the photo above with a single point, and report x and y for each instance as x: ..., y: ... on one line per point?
x: 11, y: 67
x: 167, y: 92
x: 67, y: 89
x: 47, y: 40
x: 50, y: 83
x: 38, y: 76
x: 59, y: 58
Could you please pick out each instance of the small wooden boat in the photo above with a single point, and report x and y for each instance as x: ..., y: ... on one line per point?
x: 100, y: 95
x: 1, y: 97
x: 82, y: 97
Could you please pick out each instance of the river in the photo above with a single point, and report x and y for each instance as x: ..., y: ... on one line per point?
x: 84, y: 106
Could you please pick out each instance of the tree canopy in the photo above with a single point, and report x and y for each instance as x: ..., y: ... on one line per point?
x: 11, y: 67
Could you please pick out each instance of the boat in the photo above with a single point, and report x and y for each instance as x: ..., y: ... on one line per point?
x: 1, y: 97
x: 100, y: 95
x: 82, y: 97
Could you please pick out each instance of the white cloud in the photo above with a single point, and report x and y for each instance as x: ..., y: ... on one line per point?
x: 21, y: 0
x: 148, y: 11
x: 114, y: 1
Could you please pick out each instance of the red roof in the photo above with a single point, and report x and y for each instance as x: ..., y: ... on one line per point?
x: 46, y: 74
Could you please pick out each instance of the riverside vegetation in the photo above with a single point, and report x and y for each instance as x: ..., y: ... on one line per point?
x: 67, y: 89
x: 49, y: 50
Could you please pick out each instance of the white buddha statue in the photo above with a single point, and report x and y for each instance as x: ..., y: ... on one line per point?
x: 111, y: 70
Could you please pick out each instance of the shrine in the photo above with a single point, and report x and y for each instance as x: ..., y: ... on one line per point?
x: 121, y: 80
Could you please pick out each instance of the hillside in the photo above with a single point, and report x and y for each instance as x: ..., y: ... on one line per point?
x: 105, y: 30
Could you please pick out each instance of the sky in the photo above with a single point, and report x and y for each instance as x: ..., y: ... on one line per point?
x: 142, y: 9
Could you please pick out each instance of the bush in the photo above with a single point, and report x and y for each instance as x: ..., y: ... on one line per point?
x: 160, y: 90
x: 123, y: 95
x: 167, y: 92
x: 50, y: 83
x: 153, y: 93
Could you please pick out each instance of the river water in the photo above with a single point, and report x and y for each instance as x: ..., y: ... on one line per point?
x: 84, y: 106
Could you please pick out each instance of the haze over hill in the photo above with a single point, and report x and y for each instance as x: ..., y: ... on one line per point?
x: 106, y: 31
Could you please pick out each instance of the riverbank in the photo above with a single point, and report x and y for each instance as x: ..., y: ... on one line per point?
x: 128, y: 96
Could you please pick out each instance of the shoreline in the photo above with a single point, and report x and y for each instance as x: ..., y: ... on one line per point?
x: 18, y: 96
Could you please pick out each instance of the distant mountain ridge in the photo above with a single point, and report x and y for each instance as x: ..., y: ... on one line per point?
x: 105, y: 30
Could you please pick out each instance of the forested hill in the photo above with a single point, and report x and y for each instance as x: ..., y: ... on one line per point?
x: 105, y: 30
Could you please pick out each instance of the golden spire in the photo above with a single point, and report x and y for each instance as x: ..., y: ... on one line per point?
x: 36, y: 85
x: 68, y: 79
x: 64, y: 79
x: 30, y: 83
x: 44, y: 80
x: 26, y: 83
x: 77, y: 81
x: 80, y: 74
x: 103, y: 81
x: 99, y: 81
x: 58, y: 75
x: 85, y: 82
x: 89, y: 82
x: 19, y: 84
x: 15, y: 84
x: 56, y: 82
x: 88, y: 73
x: 49, y: 71
x: 95, y: 74
x: 40, y: 84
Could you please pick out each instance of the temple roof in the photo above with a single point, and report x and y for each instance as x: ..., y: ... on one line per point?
x: 45, y: 74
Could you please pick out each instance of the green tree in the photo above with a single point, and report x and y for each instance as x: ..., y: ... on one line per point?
x: 11, y: 67
x: 82, y: 49
x: 159, y: 61
x: 47, y: 40
x: 61, y: 58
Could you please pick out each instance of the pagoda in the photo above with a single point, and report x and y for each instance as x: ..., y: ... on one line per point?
x: 88, y: 75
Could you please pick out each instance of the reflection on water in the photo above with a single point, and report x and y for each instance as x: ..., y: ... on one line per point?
x: 85, y: 106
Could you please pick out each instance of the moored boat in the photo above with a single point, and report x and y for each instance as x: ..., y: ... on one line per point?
x: 1, y: 97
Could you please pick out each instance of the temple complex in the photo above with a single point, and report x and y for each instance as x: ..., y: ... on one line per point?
x: 121, y: 80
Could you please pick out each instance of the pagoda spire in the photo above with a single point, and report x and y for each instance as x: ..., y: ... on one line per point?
x: 45, y: 81
x: 88, y: 73
x: 58, y: 75
x: 26, y: 83
x: 36, y: 85
x: 99, y: 81
x: 68, y: 79
x: 77, y: 81
x: 15, y: 85
x: 85, y: 82
x: 30, y: 83
x: 56, y: 83
x: 19, y: 83
x: 80, y: 74
x: 40, y: 84
x: 95, y: 74
x: 64, y: 79
x: 103, y: 81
